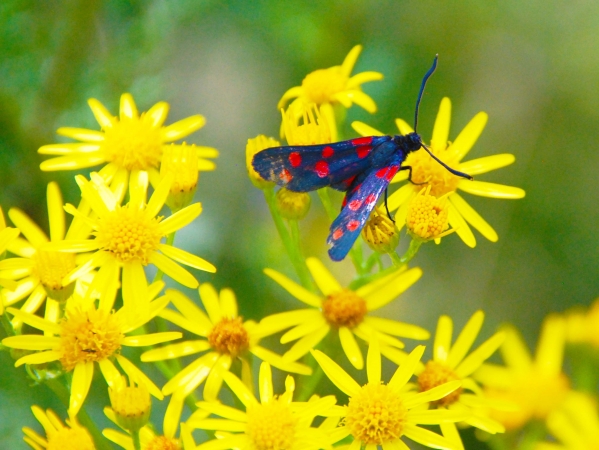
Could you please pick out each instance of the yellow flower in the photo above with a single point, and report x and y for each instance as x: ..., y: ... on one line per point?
x: 39, y: 272
x: 148, y: 438
x: 575, y: 425
x: 425, y: 170
x: 380, y: 232
x: 130, y: 237
x: 224, y: 336
x: 452, y: 362
x: 427, y: 216
x: 581, y: 327
x: 313, y: 129
x: 7, y: 237
x: 538, y: 386
x: 270, y: 422
x: 254, y: 146
x: 87, y: 335
x: 127, y: 144
x: 331, y: 87
x: 344, y: 311
x: 58, y: 436
x: 380, y: 414
x: 131, y: 404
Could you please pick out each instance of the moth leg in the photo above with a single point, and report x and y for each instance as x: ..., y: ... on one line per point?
x: 387, y: 207
x: 409, y: 169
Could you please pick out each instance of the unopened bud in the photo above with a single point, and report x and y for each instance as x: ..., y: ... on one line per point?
x: 380, y: 232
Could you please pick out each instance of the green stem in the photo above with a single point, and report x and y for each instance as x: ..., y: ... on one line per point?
x: 533, y: 433
x: 356, y: 251
x: 61, y: 391
x: 408, y: 255
x: 298, y: 263
x: 136, y: 440
x: 300, y: 260
x: 8, y: 329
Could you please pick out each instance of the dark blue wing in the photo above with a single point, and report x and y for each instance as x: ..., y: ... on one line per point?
x: 359, y: 202
x: 310, y: 167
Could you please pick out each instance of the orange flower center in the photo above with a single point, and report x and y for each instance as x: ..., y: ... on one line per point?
x: 376, y: 415
x: 435, y: 374
x: 129, y: 234
x: 271, y: 426
x: 133, y: 144
x: 76, y: 438
x: 229, y: 337
x: 344, y: 309
x: 51, y: 268
x: 91, y: 335
x: 163, y: 443
x: 321, y: 85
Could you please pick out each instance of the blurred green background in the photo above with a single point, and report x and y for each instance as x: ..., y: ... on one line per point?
x: 533, y: 66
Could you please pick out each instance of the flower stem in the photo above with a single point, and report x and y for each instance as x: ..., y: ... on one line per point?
x: 61, y: 391
x: 408, y: 255
x: 292, y: 250
x: 136, y: 440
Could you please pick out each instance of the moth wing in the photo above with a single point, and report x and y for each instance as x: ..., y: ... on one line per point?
x: 310, y: 167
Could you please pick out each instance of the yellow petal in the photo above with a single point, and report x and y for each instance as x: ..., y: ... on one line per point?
x: 480, y: 355
x: 293, y: 92
x: 214, y: 380
x: 373, y: 362
x: 351, y: 348
x: 465, y: 339
x: 461, y: 227
x: 277, y: 361
x: 395, y: 328
x: 303, y: 329
x: 175, y: 350
x: 68, y: 149
x: 135, y: 374
x: 180, y: 219
x: 191, y: 312
x: 228, y: 303
x: 110, y: 372
x: 276, y: 322
x: 159, y: 196
x: 350, y: 60
x: 55, y: 212
x: 403, y: 126
x: 405, y: 371
x: 210, y: 300
x: 135, y: 290
x: 363, y: 100
x: 39, y: 358
x: 433, y: 394
x: 441, y: 128
x: 81, y: 134
x: 438, y: 416
x: 327, y: 111
x: 491, y: 190
x: 186, y: 258
x: 145, y: 340
x: 363, y: 77
x: 265, y: 387
x: 73, y: 162
x: 486, y: 164
x: 400, y: 196
x: 156, y: 115
x: 104, y: 118
x: 193, y: 375
x: 336, y: 374
x: 322, y: 277
x: 306, y: 343
x: 225, y: 411
x: 468, y: 213
x: 389, y: 292
x: 174, y: 270
x: 28, y: 227
x: 468, y: 136
x: 550, y: 348
x: 426, y: 437
x: 182, y: 128
x: 365, y: 130
x: 35, y: 321
x: 82, y: 379
x: 514, y: 351
x: 442, y: 345
x: 240, y: 390
x: 127, y: 109
x: 299, y: 292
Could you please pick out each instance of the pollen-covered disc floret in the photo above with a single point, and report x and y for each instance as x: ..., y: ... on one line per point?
x: 88, y: 335
x: 163, y: 443
x: 229, y: 337
x: 427, y: 171
x: 129, y: 234
x: 133, y: 144
x: 271, y: 426
x: 427, y: 216
x: 51, y: 267
x: 344, y: 309
x: 380, y: 233
x: 376, y: 414
x: 435, y: 374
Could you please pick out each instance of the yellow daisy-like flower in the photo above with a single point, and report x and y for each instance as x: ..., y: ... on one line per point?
x: 344, y: 311
x: 269, y: 423
x: 127, y: 144
x: 129, y: 237
x: 452, y: 362
x: 148, y: 438
x: 427, y: 216
x: 538, y: 386
x: 333, y: 86
x: 39, y: 272
x: 575, y: 425
x: 7, y: 236
x: 425, y: 170
x: 582, y: 326
x: 59, y: 436
x: 224, y: 336
x: 87, y: 335
x: 380, y: 414
x: 312, y: 129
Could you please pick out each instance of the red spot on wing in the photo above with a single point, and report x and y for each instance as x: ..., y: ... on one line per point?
x: 327, y: 152
x: 353, y: 225
x: 381, y: 173
x: 295, y: 159
x: 344, y: 202
x: 354, y: 205
x: 337, y: 234
x: 392, y: 171
x: 371, y: 199
x: 362, y: 141
x: 321, y: 168
x: 286, y: 176
x: 363, y: 151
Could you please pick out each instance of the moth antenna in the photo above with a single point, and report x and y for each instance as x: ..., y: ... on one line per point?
x: 422, y: 86
x: 455, y: 172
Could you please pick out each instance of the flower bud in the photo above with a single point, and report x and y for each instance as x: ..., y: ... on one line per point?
x: 131, y: 405
x: 380, y: 232
x: 254, y: 146
x: 292, y: 205
x: 182, y: 162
